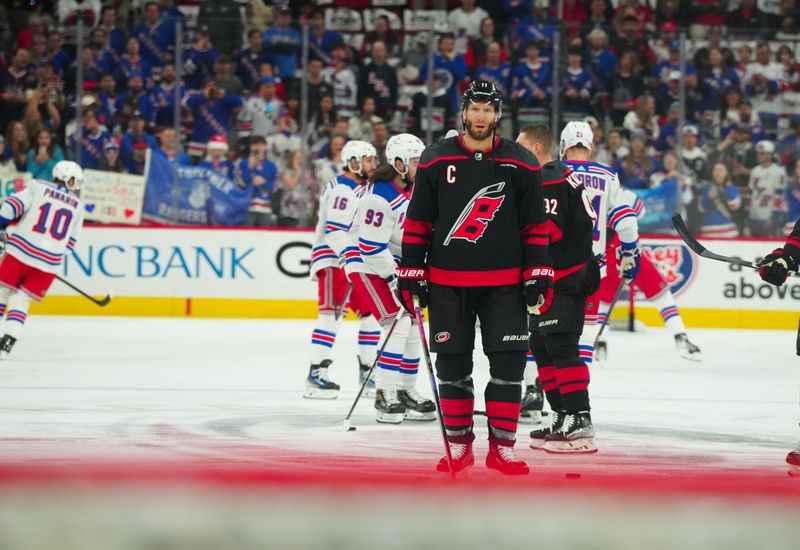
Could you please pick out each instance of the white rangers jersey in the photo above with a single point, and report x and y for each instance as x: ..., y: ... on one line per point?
x: 767, y: 189
x: 258, y: 117
x: 46, y: 220
x: 334, y: 238
x: 379, y: 225
x: 609, y: 203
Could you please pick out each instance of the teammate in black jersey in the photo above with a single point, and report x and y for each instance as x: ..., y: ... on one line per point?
x: 554, y: 334
x: 475, y: 240
x: 775, y: 268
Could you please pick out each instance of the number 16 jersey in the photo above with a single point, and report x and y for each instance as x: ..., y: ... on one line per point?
x: 45, y: 222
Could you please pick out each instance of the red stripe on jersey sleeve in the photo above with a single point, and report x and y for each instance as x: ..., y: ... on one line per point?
x: 440, y: 159
x: 554, y: 182
x: 410, y: 238
x: 793, y: 241
x: 537, y: 241
x: 535, y: 229
x: 424, y: 229
x: 554, y: 230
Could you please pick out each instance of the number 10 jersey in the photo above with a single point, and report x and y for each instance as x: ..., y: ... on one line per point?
x: 45, y: 222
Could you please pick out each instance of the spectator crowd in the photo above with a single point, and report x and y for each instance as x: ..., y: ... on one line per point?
x: 703, y: 96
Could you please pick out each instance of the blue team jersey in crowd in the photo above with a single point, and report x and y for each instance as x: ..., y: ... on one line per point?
x: 500, y: 76
x: 90, y: 145
x: 526, y: 79
x: 157, y: 43
x: 713, y: 85
x: 717, y: 220
x: 284, y: 45
x: 320, y: 46
x: 198, y: 66
x: 248, y: 66
x: 457, y: 68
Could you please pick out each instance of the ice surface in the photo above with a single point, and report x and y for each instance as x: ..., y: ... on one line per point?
x: 96, y: 389
x: 192, y: 434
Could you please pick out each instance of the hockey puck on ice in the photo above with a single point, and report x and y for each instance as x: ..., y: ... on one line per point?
x: 572, y: 476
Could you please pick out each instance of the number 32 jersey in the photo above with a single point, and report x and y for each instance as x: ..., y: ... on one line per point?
x: 46, y: 220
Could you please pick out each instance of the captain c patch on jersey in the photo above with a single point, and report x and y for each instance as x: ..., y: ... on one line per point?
x: 477, y: 214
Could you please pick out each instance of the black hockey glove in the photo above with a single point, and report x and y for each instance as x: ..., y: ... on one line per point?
x: 538, y: 289
x: 775, y: 267
x: 412, y: 282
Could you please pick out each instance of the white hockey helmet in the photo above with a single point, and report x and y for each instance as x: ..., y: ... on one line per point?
x: 66, y: 172
x: 765, y: 146
x: 576, y: 133
x: 357, y: 149
x: 404, y: 147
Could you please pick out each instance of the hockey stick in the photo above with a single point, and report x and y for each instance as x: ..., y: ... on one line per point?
x: 427, y: 355
x: 102, y: 302
x: 607, y: 319
x: 700, y: 250
x: 338, y: 311
x: 346, y: 423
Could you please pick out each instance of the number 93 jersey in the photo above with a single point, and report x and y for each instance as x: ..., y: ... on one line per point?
x: 379, y: 227
x: 45, y: 222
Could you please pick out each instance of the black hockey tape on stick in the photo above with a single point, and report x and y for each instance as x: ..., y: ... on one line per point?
x: 102, y: 302
x: 607, y: 319
x: 700, y: 250
x: 346, y: 423
x: 427, y: 355
x: 797, y: 349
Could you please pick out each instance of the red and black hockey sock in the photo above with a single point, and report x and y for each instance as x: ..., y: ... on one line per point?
x: 504, y: 393
x: 547, y: 371
x: 572, y: 374
x: 457, y: 395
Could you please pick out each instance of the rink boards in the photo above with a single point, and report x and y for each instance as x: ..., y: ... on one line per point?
x: 249, y: 273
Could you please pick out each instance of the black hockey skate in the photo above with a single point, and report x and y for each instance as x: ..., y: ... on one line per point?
x: 388, y: 407
x: 793, y: 460
x: 686, y: 348
x: 530, y: 411
x: 538, y: 436
x: 318, y: 386
x: 417, y: 407
x: 503, y: 459
x: 6, y: 343
x: 462, y: 458
x: 575, y: 436
x: 363, y: 372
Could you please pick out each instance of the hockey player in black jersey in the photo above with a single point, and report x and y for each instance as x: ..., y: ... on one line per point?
x: 554, y: 335
x: 774, y: 269
x: 475, y: 246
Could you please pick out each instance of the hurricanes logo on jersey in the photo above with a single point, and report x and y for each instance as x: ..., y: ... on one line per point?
x: 479, y: 211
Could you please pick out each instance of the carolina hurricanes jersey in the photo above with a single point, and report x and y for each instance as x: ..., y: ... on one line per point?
x: 608, y: 201
x: 334, y: 238
x: 379, y: 226
x: 46, y: 222
x: 570, y: 219
x: 476, y: 218
x: 767, y: 190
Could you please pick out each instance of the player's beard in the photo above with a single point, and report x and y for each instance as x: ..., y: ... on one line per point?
x: 480, y: 136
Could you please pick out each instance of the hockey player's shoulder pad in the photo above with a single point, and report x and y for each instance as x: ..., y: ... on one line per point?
x: 441, y: 148
x: 554, y: 170
x: 514, y: 150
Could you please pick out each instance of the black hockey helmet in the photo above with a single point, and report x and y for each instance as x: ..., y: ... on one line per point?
x: 482, y: 91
